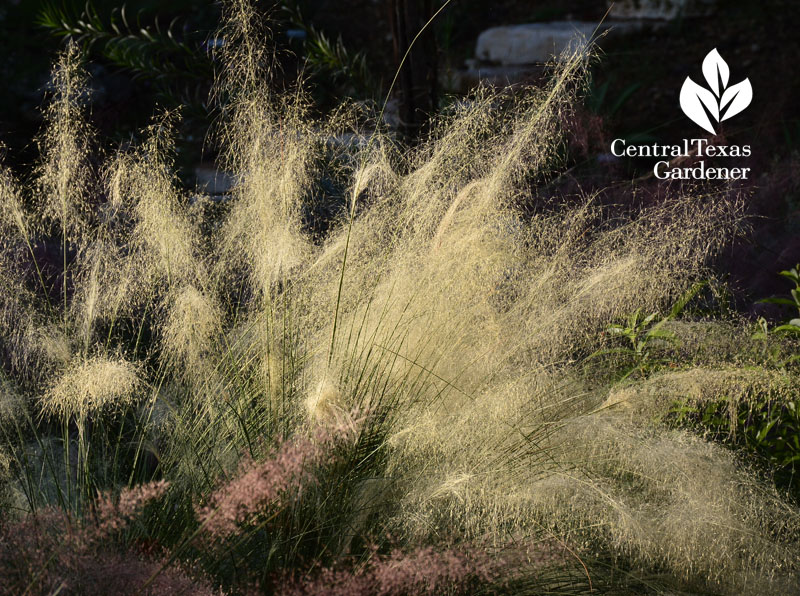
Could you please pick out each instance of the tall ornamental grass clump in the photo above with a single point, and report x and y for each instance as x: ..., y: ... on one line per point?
x: 400, y: 405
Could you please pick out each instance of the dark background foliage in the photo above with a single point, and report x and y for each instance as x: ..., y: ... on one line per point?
x: 145, y: 53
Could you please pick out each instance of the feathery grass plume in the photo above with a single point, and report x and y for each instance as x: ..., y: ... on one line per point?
x: 6, y: 490
x: 102, y: 287
x: 269, y: 143
x: 247, y: 53
x: 322, y: 404
x: 164, y: 243
x: 14, y: 221
x: 715, y: 343
x: 459, y: 151
x: 451, y: 242
x: 11, y: 402
x: 263, y: 234
x: 64, y: 177
x: 671, y: 500
x: 92, y: 385
x: 17, y: 301
x: 368, y: 229
x: 467, y: 469
x: 54, y: 347
x: 192, y: 334
x: 273, y: 151
x: 163, y: 231
x: 600, y: 273
x: 91, y: 296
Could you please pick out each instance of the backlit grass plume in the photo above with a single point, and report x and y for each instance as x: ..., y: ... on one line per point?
x: 63, y: 175
x: 91, y: 386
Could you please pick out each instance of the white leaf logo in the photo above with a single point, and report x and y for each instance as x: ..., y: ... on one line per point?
x: 736, y: 98
x: 715, y: 69
x: 721, y: 102
x: 693, y: 99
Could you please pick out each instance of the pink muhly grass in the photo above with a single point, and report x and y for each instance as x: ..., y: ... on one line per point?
x: 112, y: 517
x: 126, y: 573
x: 259, y: 485
x: 424, y: 571
x: 48, y: 552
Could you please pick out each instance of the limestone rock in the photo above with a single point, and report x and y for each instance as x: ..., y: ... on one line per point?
x: 660, y: 9
x: 530, y: 43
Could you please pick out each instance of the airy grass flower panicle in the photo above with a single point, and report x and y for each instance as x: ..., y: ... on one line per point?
x: 453, y: 289
x: 92, y: 385
x: 64, y: 175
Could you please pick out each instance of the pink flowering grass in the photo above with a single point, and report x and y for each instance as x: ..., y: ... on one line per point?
x: 266, y: 485
x: 470, y: 568
x: 113, y: 516
x: 51, y: 552
x: 424, y: 571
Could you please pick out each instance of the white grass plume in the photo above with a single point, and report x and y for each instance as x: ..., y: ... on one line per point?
x: 91, y: 386
x: 64, y: 145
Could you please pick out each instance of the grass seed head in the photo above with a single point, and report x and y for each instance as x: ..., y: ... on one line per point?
x: 93, y: 385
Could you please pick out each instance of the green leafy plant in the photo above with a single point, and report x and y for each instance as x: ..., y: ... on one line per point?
x: 174, y: 57
x: 640, y: 336
x: 779, y: 346
x: 792, y: 325
x: 329, y: 62
x: 180, y: 60
x: 767, y: 427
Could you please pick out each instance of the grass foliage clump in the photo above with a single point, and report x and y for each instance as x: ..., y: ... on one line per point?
x: 401, y: 400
